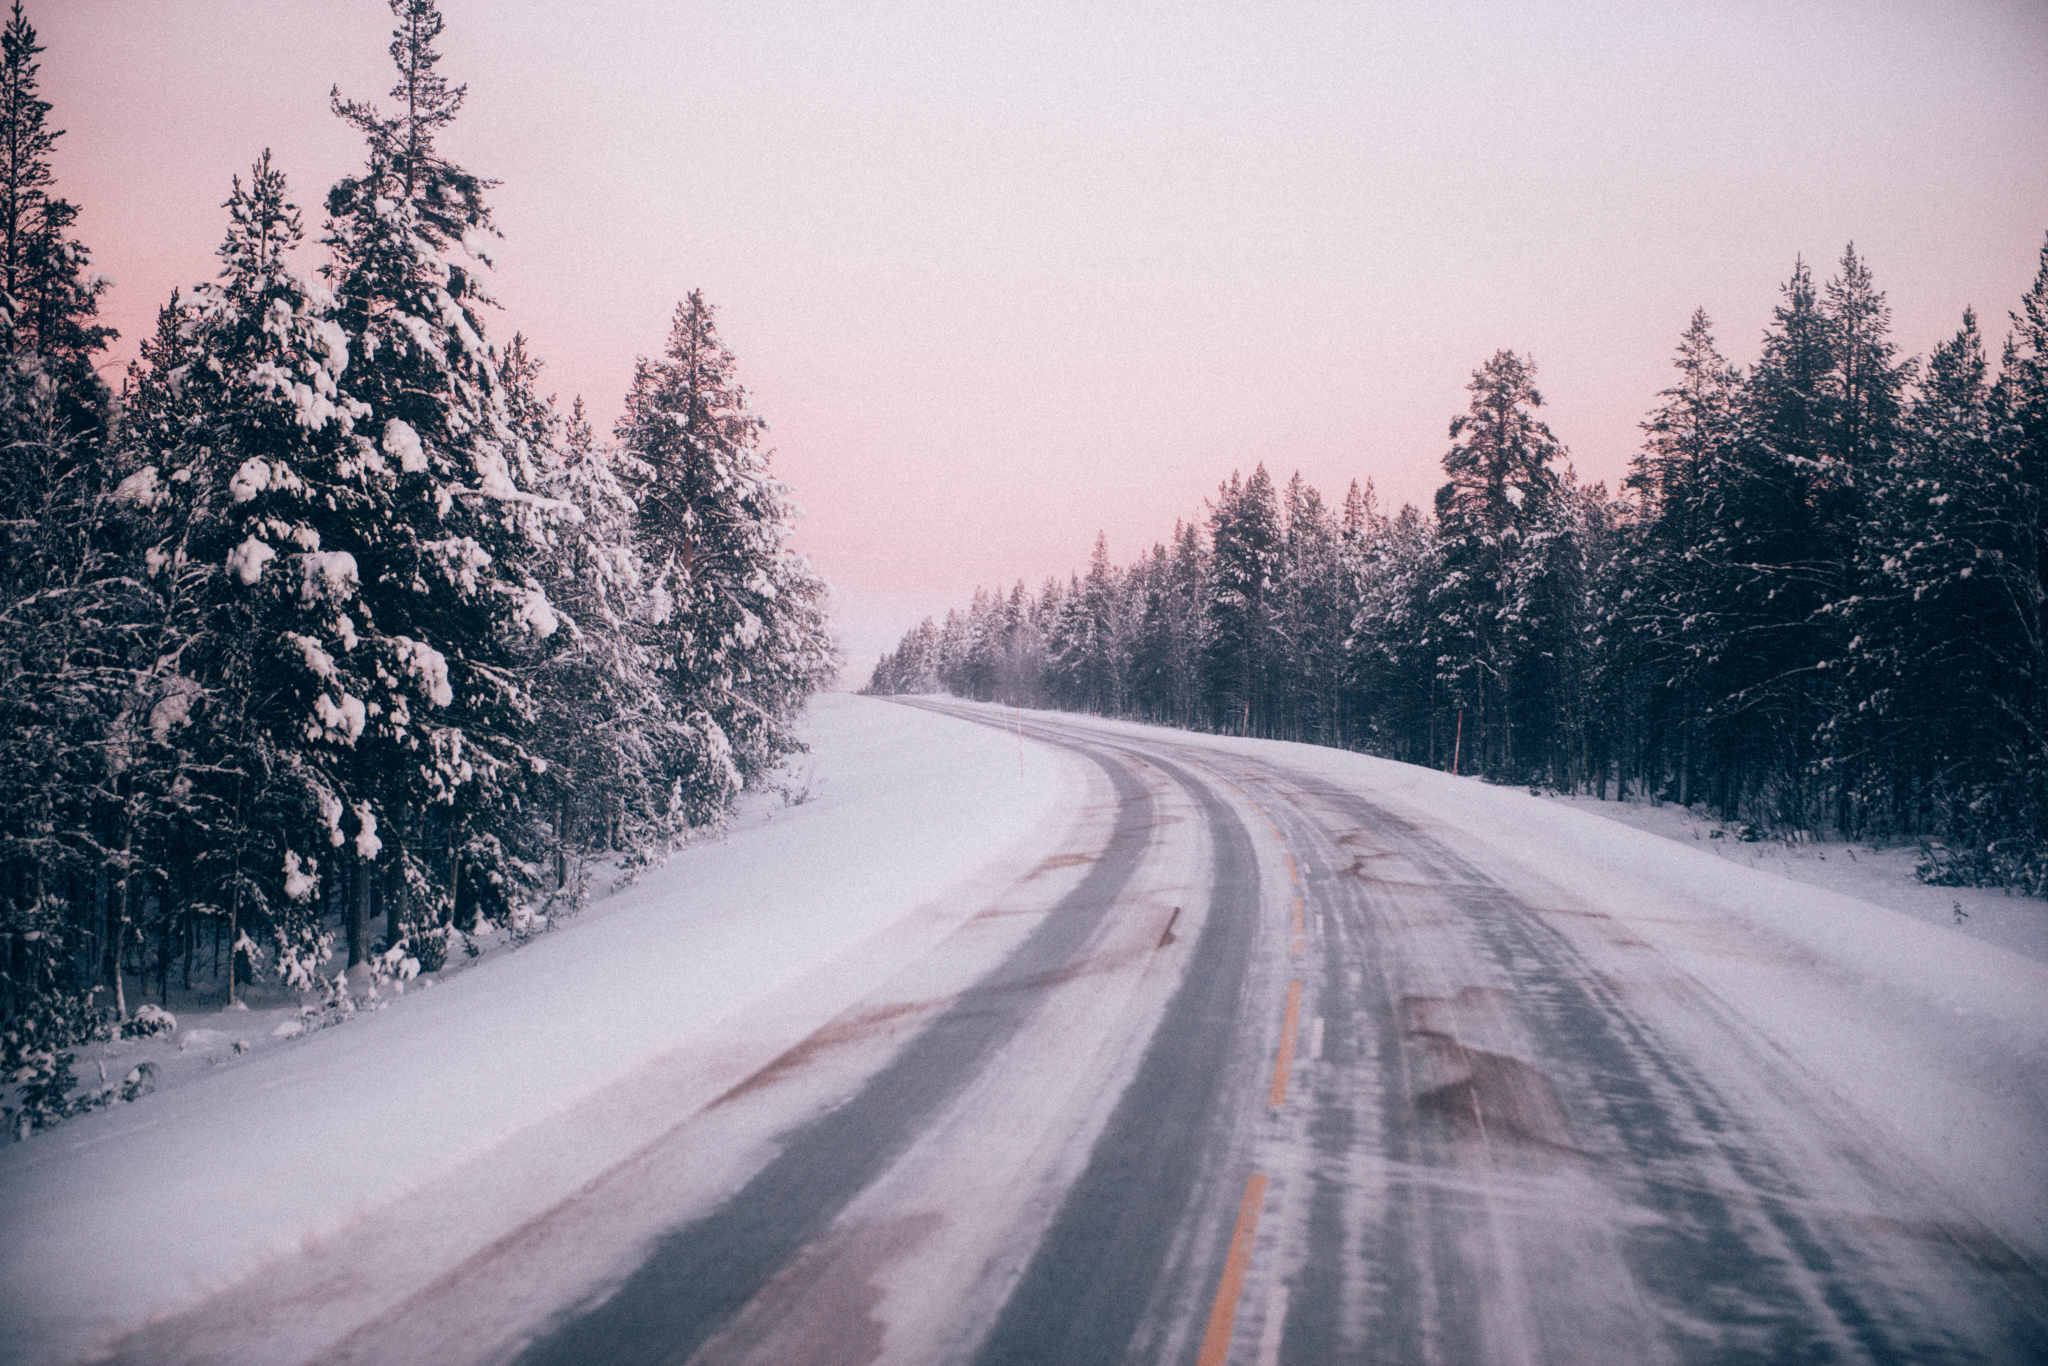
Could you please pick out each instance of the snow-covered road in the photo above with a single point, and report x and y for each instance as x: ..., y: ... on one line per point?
x: 1254, y: 1052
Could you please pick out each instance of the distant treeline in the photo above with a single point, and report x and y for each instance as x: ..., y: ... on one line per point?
x: 1817, y: 603
x: 330, y: 626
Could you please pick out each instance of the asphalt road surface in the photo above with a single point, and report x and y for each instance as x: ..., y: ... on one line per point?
x: 1248, y: 1071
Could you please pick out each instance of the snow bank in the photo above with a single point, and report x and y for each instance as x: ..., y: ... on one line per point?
x: 1883, y: 876
x: 135, y: 1212
x: 1615, y: 867
x: 1934, y: 1036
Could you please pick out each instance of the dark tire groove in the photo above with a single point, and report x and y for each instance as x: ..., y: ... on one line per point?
x: 699, y: 1277
x: 1101, y: 1273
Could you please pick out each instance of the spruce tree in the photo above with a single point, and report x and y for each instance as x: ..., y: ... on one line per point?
x: 1314, y: 618
x: 1665, y: 624
x: 603, y: 719
x: 736, y: 617
x: 48, y: 296
x: 66, y: 602
x: 1246, y: 545
x: 451, y: 543
x: 243, y: 420
x: 1501, y: 488
x: 1769, y: 567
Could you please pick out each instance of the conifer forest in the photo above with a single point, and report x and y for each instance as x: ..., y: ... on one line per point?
x: 329, y: 633
x: 325, y: 625
x: 1525, y: 840
x: 1816, y: 604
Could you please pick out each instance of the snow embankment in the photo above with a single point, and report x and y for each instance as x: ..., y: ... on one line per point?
x: 135, y: 1212
x: 1934, y: 1036
x: 1883, y: 876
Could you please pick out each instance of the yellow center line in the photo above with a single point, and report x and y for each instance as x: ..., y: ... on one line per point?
x: 1300, y: 929
x: 1288, y: 1030
x: 1223, y: 1314
x: 1293, y: 874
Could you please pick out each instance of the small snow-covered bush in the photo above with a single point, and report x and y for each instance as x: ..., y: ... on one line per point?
x: 140, y: 1081
x: 395, y: 964
x: 492, y: 881
x: 35, y: 1059
x: 149, y: 1021
x: 431, y: 948
x: 2001, y: 863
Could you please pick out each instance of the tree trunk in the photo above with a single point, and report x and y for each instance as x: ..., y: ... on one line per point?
x: 358, y: 907
x: 561, y: 845
x: 395, y: 890
x: 454, y: 877
x: 117, y: 925
x: 234, y: 932
x: 1685, y: 767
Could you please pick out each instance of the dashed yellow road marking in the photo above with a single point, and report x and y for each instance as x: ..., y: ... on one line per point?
x: 1293, y: 873
x: 1300, y: 929
x: 1289, y: 1028
x: 1223, y: 1313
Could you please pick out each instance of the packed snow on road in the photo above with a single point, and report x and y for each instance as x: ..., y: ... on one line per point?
x: 437, y: 1122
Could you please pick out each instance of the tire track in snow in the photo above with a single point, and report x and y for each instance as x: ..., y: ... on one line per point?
x: 1128, y: 1252
x: 1717, y: 1249
x: 698, y: 1278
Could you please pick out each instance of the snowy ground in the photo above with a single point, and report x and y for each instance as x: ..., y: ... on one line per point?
x: 116, y: 1217
x: 1880, y: 875
x: 429, y: 1127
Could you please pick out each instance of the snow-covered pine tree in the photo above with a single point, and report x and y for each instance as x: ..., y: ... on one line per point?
x: 1246, y: 541
x: 48, y: 296
x: 736, y: 617
x: 1023, y: 652
x: 1930, y: 625
x: 2014, y: 552
x: 65, y: 601
x: 1686, y: 433
x: 604, y: 721
x: 1314, y: 619
x: 1867, y: 392
x: 449, y: 549
x: 1152, y: 640
x: 1664, y: 625
x: 983, y: 642
x: 1092, y: 658
x: 1501, y: 485
x: 250, y: 466
x: 1764, y: 569
x: 1396, y: 627
x: 1948, y: 665
x: 1168, y: 649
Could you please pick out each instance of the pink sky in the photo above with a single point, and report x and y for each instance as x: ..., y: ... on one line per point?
x: 1002, y: 275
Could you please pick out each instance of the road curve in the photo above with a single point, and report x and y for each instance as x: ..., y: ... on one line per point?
x: 1257, y: 1071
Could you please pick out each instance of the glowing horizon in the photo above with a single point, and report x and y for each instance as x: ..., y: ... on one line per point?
x: 1001, y: 280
